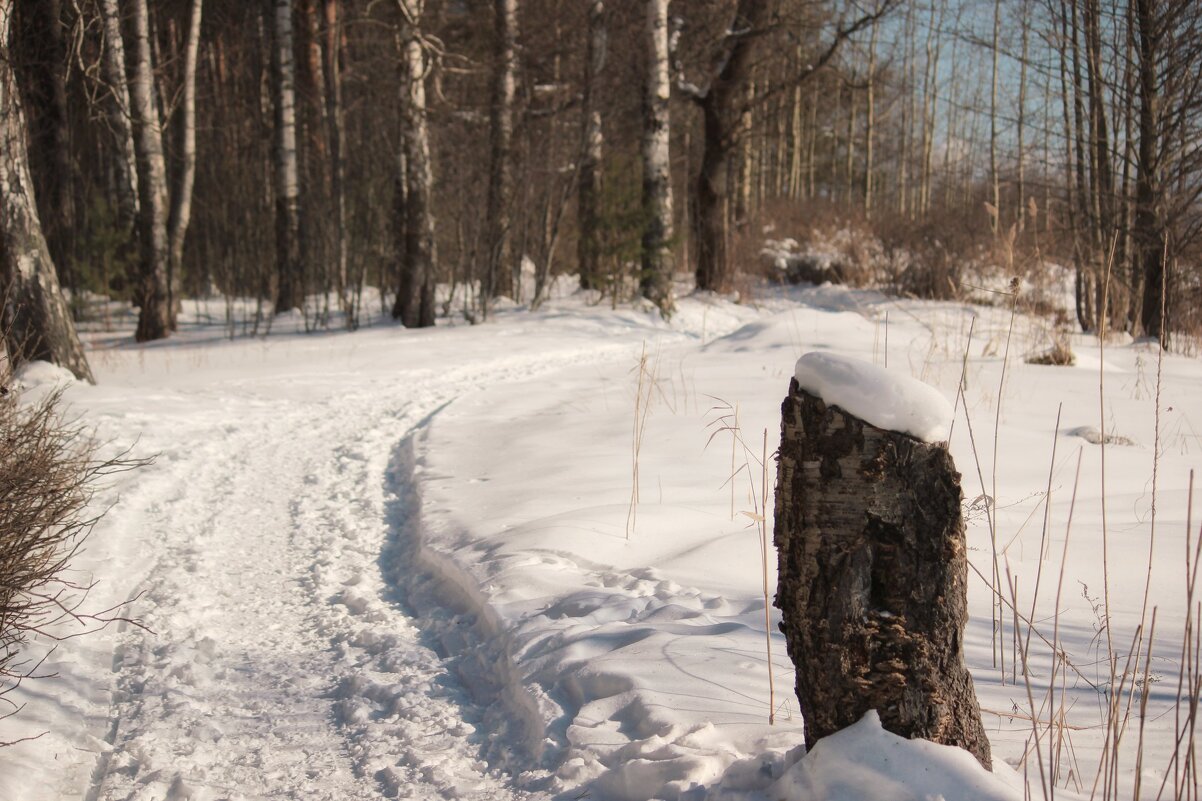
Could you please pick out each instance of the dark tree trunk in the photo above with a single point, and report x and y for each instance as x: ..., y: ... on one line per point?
x: 1149, y: 192
x: 588, y: 196
x: 415, y: 242
x: 872, y: 577
x: 722, y: 107
x: 43, y: 57
x: 501, y: 269
x: 34, y: 320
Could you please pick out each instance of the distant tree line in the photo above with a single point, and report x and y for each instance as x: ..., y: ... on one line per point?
x: 295, y: 151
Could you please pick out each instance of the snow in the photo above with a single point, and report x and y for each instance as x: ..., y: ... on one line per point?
x: 405, y: 563
x: 42, y: 375
x: 885, y: 399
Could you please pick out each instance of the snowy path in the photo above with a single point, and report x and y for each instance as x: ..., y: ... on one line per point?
x: 283, y: 663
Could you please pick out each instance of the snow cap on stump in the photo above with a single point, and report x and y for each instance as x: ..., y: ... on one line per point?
x: 881, y: 397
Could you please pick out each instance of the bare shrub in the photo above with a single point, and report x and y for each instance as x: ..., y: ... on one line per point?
x: 49, y: 470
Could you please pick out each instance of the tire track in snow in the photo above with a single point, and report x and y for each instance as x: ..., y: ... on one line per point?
x: 284, y: 664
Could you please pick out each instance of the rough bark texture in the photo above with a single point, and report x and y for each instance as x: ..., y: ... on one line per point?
x: 501, y: 269
x: 588, y: 197
x: 337, y: 135
x: 181, y: 192
x: 290, y: 292
x: 117, y: 114
x: 872, y: 575
x: 722, y: 110
x: 35, y: 322
x: 656, y: 280
x: 154, y: 321
x: 415, y: 296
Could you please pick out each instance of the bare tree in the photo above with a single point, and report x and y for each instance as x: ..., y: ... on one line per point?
x: 290, y: 289
x: 181, y: 196
x: 656, y: 279
x: 592, y: 147
x: 723, y: 103
x: 415, y: 296
x: 117, y: 114
x: 154, y: 318
x: 500, y: 175
x: 35, y: 321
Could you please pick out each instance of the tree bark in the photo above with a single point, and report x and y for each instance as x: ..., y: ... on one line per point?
x: 872, y: 577
x: 501, y: 268
x: 154, y: 318
x: 1149, y: 225
x: 181, y: 192
x: 592, y: 146
x: 722, y: 108
x: 117, y: 114
x: 35, y: 322
x: 415, y: 296
x: 290, y: 292
x: 656, y: 279
x: 43, y: 61
x: 336, y: 124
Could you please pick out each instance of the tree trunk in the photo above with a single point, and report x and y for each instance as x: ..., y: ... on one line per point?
x: 154, y: 318
x: 181, y: 191
x: 722, y: 108
x: 1149, y: 225
x: 415, y: 297
x: 35, y: 322
x: 337, y: 135
x: 291, y: 282
x: 588, y: 197
x: 870, y: 122
x: 500, y: 175
x: 656, y: 279
x: 994, y: 181
x: 872, y: 577
x: 117, y: 114
x: 43, y: 61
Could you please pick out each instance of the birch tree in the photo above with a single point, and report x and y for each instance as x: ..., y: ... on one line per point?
x: 35, y: 322
x: 290, y: 287
x: 154, y: 317
x: 656, y: 278
x: 180, y: 213
x: 117, y: 115
x: 414, y: 305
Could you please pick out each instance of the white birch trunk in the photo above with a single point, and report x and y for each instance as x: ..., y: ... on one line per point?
x: 154, y: 319
x: 656, y: 279
x: 181, y: 193
x: 290, y: 289
x: 117, y: 112
x: 415, y: 296
x: 35, y: 322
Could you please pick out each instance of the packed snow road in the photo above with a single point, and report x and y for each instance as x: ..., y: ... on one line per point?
x: 279, y: 658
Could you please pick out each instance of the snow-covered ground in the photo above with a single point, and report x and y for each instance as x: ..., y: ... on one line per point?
x: 397, y: 563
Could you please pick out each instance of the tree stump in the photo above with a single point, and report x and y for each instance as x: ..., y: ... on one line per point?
x: 872, y: 577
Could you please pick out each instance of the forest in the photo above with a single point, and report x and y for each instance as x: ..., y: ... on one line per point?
x: 296, y: 151
x: 390, y: 389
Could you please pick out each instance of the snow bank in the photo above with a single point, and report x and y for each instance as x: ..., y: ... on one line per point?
x: 32, y: 375
x: 883, y: 398
x: 866, y: 763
